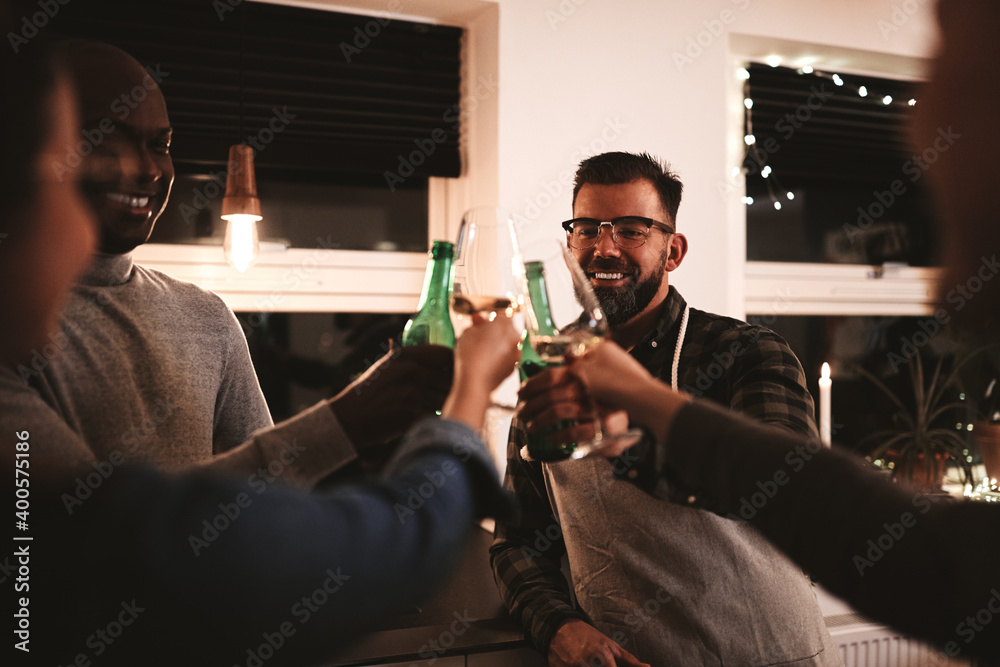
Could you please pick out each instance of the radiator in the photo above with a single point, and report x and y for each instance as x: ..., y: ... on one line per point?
x: 865, y: 643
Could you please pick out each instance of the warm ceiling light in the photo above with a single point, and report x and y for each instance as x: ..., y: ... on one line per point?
x: 241, y: 209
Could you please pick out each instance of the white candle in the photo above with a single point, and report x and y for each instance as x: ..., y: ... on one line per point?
x: 824, y: 405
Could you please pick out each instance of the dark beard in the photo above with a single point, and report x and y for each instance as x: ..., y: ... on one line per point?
x: 621, y: 304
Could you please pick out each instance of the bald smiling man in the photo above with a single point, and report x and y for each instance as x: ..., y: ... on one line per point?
x: 149, y: 369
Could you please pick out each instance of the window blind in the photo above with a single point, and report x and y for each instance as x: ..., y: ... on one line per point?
x: 325, y: 94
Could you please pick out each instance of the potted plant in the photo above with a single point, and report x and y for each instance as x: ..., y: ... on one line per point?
x: 919, y: 444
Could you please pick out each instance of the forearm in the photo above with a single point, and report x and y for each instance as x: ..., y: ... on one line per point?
x: 654, y: 405
x: 221, y: 563
x: 300, y: 451
x: 534, y: 591
x: 527, y: 552
x: 467, y: 402
x: 826, y: 511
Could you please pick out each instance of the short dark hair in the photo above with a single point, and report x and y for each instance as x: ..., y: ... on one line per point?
x: 618, y: 168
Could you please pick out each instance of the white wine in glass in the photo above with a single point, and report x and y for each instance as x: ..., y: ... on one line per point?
x: 488, y: 266
x: 562, y: 318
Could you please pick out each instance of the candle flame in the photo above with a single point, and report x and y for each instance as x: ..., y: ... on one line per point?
x: 826, y: 371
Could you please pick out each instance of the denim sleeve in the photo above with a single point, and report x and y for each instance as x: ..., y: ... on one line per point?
x: 212, y: 570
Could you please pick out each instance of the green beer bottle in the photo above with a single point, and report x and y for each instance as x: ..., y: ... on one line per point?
x: 432, y: 322
x: 531, y: 364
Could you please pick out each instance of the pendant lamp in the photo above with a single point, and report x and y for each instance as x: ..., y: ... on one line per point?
x: 240, y: 205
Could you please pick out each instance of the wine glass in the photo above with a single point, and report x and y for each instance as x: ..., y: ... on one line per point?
x: 488, y: 275
x: 563, y: 317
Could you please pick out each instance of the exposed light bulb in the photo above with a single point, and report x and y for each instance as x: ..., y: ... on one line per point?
x: 766, y: 171
x: 241, y: 246
x: 837, y: 81
x: 862, y: 91
x: 887, y: 99
x: 912, y: 102
x: 790, y: 195
x: 777, y: 206
x: 747, y: 200
x: 748, y: 103
x: 807, y: 69
x: 773, y: 61
x: 743, y: 74
x: 749, y: 140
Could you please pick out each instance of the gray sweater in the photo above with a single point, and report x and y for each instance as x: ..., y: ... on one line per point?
x: 153, y: 370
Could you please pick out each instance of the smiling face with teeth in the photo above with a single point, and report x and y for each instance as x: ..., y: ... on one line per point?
x: 126, y: 144
x: 629, y: 283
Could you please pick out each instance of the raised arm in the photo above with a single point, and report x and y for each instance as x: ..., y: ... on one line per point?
x: 862, y: 537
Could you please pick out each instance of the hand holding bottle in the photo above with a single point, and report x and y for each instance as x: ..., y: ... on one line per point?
x: 407, y: 383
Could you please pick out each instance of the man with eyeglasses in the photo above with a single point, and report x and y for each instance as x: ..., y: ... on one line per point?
x: 655, y: 582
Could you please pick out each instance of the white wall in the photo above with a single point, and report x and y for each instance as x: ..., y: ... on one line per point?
x: 583, y: 75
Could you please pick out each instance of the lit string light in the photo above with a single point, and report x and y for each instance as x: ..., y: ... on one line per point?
x: 766, y: 172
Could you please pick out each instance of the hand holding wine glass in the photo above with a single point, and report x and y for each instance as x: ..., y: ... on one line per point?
x: 488, y: 266
x: 563, y: 318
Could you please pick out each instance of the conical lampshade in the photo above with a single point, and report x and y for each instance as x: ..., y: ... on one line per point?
x: 241, y: 208
x: 241, y: 184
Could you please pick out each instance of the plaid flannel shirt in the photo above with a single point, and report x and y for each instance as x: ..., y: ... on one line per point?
x: 747, y: 368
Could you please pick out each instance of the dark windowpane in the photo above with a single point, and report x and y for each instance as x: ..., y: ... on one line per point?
x: 883, y: 346
x: 857, y: 184
x: 303, y: 358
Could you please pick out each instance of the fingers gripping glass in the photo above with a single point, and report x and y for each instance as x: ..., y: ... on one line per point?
x: 628, y: 231
x: 563, y: 318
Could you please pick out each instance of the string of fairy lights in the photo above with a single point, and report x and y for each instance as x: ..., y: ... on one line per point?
x: 776, y: 192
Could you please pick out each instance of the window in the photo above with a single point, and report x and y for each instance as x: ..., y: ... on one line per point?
x: 830, y: 175
x: 370, y: 161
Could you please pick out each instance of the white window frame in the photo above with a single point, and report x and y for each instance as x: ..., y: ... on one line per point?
x: 788, y: 288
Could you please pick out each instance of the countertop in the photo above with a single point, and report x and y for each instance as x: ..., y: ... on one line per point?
x: 466, y: 616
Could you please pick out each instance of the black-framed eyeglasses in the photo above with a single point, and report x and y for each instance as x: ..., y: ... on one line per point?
x: 628, y: 231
